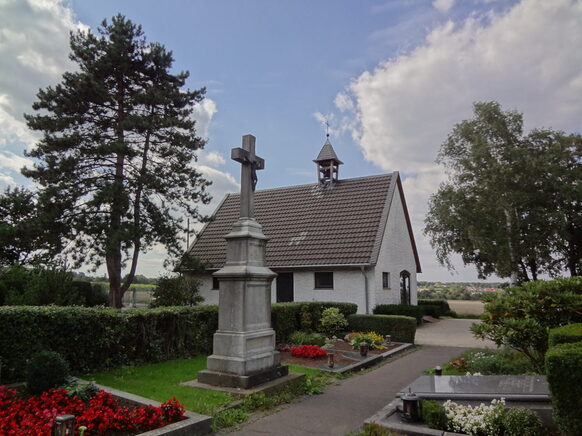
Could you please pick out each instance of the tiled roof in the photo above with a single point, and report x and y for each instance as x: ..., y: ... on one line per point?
x: 308, y: 225
x: 327, y: 153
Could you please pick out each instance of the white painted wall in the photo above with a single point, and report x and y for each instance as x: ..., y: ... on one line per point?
x: 396, y: 255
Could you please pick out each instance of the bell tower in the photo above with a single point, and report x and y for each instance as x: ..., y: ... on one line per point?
x: 327, y: 164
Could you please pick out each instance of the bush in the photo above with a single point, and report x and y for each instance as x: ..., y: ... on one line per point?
x: 521, y: 317
x: 563, y: 363
x: 400, y: 309
x: 176, y: 291
x: 434, y: 307
x: 520, y: 421
x: 289, y: 317
x: 433, y: 414
x: 46, y: 370
x: 305, y: 338
x: 502, y: 362
x: 567, y: 334
x: 401, y: 328
x: 332, y: 322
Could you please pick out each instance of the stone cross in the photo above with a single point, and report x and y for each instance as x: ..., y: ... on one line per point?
x: 250, y: 163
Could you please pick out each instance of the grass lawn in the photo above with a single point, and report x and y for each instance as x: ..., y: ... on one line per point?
x: 160, y: 382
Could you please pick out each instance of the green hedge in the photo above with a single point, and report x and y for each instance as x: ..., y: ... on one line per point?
x: 91, y: 339
x: 434, y: 307
x: 287, y: 318
x: 401, y: 328
x: 563, y: 364
x: 95, y: 338
x: 400, y: 309
x: 565, y: 335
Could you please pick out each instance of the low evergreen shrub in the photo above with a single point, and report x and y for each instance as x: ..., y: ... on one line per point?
x: 46, y: 370
x: 307, y: 338
x: 520, y: 421
x: 567, y: 334
x: 433, y: 414
x: 435, y: 307
x: 400, y: 309
x: 563, y: 363
x: 332, y: 322
x: 401, y: 328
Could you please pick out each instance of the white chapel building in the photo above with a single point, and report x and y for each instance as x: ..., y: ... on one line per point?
x: 344, y: 240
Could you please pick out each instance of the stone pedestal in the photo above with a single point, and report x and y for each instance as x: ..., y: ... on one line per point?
x: 244, y: 345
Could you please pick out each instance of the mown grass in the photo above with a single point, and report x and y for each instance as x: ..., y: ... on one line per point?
x: 160, y: 382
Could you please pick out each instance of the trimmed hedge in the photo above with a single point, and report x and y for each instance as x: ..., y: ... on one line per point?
x: 287, y: 318
x: 434, y: 307
x: 563, y: 363
x: 401, y: 328
x: 566, y: 334
x: 400, y: 309
x: 91, y: 339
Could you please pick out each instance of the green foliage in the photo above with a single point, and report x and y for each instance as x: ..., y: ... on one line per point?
x: 373, y: 430
x: 306, y: 338
x: 433, y: 414
x: 511, y: 203
x: 401, y: 328
x: 567, y: 334
x: 289, y: 317
x: 99, y: 338
x: 118, y: 140
x: 176, y: 291
x: 400, y: 309
x: 332, y: 322
x: 434, y: 307
x: 229, y: 418
x: 46, y: 370
x: 521, y: 317
x: 83, y: 391
x: 563, y: 363
x: 520, y: 421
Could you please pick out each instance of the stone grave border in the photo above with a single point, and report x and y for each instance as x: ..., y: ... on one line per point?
x: 367, y: 362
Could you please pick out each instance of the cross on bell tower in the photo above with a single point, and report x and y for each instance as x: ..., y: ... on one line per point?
x: 327, y: 164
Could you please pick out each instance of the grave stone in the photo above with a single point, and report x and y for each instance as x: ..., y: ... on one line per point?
x: 244, y: 345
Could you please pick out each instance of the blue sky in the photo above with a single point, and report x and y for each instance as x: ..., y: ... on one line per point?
x: 392, y: 77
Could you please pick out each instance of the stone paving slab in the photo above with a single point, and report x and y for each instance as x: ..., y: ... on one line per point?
x: 344, y: 407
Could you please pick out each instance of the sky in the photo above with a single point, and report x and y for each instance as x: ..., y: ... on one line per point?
x: 391, y: 77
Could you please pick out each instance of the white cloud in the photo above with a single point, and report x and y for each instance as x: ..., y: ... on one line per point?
x: 443, y: 5
x: 13, y: 161
x: 527, y: 58
x: 203, y: 114
x: 5, y: 181
x: 211, y: 158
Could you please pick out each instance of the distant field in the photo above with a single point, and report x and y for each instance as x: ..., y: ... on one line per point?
x: 143, y: 293
x: 466, y: 306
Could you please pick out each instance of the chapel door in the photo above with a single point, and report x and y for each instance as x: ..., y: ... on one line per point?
x: 404, y: 287
x: 284, y: 287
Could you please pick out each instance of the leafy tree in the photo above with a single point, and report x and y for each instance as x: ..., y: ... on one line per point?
x: 511, y: 202
x: 522, y: 316
x: 176, y: 291
x: 117, y: 150
x: 27, y: 234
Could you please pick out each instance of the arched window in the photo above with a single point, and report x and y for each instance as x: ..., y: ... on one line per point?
x: 404, y: 287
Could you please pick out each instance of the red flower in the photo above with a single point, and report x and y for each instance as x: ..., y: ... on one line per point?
x: 311, y: 351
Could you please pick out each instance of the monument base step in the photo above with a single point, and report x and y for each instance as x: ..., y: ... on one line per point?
x: 225, y: 379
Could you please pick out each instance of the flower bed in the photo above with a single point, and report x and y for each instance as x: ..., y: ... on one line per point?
x: 100, y: 415
x: 309, y: 351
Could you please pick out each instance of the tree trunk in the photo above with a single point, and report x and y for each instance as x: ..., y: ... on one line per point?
x: 513, y: 279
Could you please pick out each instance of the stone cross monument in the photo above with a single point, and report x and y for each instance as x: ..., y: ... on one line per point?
x: 244, y: 345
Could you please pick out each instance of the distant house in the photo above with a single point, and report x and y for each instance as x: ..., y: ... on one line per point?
x: 335, y: 240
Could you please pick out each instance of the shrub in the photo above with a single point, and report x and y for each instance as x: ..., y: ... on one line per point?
x: 401, y: 328
x: 570, y: 333
x: 304, y: 338
x: 521, y: 421
x: 502, y: 362
x: 563, y: 363
x: 46, y: 370
x: 433, y: 414
x: 400, y: 309
x: 176, y: 291
x: 521, y: 317
x: 332, y: 322
x: 434, y: 307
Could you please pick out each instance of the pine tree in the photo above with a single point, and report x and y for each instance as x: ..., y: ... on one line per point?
x: 117, y: 149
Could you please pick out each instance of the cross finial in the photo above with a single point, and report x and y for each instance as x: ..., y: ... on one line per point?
x: 326, y: 128
x: 250, y: 164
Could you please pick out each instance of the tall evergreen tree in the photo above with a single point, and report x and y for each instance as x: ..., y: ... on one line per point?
x: 510, y: 205
x: 117, y: 150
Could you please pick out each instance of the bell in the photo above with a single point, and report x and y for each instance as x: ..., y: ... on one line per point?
x: 410, y: 407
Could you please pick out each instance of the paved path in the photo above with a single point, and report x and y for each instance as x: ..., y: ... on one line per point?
x: 344, y: 407
x: 451, y: 333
